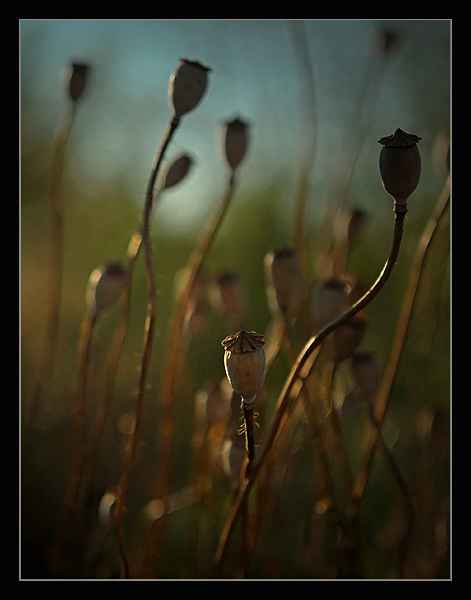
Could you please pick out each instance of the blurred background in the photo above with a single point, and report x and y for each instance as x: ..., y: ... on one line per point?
x: 317, y: 94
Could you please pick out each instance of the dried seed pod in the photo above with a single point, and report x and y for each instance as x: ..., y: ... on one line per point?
x: 236, y: 138
x: 399, y: 163
x: 177, y: 170
x: 76, y: 80
x: 187, y: 86
x: 105, y: 285
x: 344, y: 341
x: 228, y: 296
x: 285, y: 281
x: 244, y: 361
x: 387, y: 40
x: 365, y: 369
x: 329, y: 301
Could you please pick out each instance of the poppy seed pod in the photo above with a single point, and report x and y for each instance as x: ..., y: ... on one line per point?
x: 105, y: 286
x: 227, y: 294
x: 344, y: 341
x: 329, y: 301
x: 244, y: 361
x: 236, y: 137
x: 187, y: 86
x: 366, y: 373
x: 285, y: 281
x: 177, y: 171
x: 387, y: 40
x: 76, y: 80
x: 399, y: 163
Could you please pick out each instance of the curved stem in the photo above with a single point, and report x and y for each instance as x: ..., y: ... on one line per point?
x: 311, y: 345
x: 379, y: 410
x: 398, y: 343
x: 147, y: 351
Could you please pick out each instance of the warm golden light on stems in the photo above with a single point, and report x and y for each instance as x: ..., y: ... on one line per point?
x: 283, y: 400
x: 147, y: 351
x: 74, y: 85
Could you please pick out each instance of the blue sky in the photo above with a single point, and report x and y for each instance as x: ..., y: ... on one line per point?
x: 255, y: 75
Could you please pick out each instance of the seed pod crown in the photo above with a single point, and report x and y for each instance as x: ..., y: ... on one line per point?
x: 400, y: 164
x: 243, y: 341
x: 244, y: 360
x: 187, y: 86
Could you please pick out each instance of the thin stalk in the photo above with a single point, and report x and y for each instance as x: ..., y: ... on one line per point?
x: 408, y: 304
x: 56, y: 268
x: 399, y: 480
x: 249, y: 433
x: 283, y: 400
x: 309, y: 111
x: 401, y: 331
x: 147, y: 351
x: 167, y: 395
x: 171, y: 366
x: 80, y: 413
x: 86, y: 452
x: 115, y: 353
x: 398, y: 342
x: 336, y: 427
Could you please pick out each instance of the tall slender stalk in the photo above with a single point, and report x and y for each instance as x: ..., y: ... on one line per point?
x: 172, y: 360
x: 147, y: 351
x: 309, y: 113
x: 398, y: 343
x: 283, y: 400
x: 56, y: 268
x: 80, y: 414
x: 75, y: 85
x: 167, y: 395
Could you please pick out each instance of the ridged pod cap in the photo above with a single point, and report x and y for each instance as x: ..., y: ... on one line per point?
x: 187, y: 86
x: 400, y: 164
x: 244, y: 361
